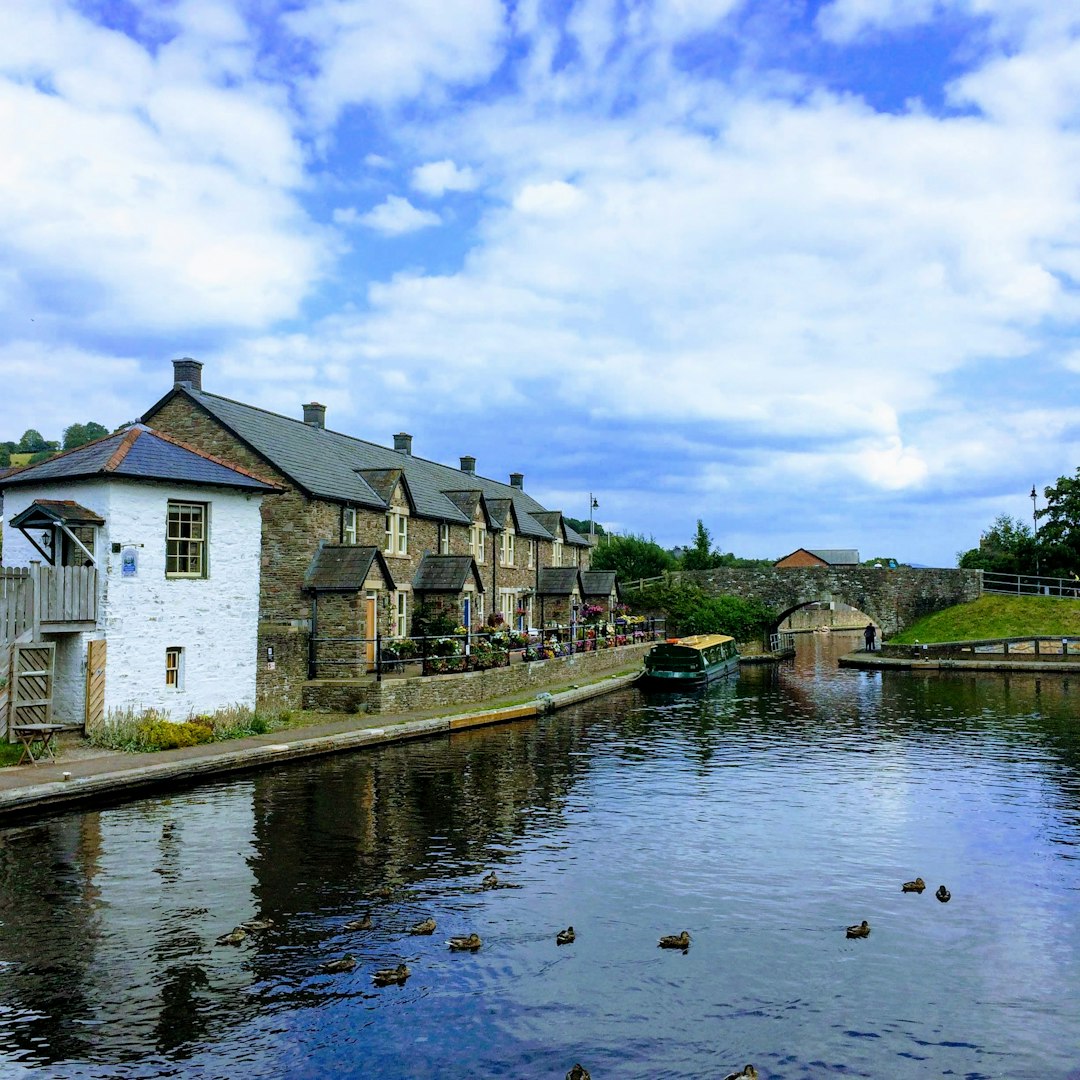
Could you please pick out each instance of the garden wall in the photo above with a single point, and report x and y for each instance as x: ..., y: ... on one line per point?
x: 395, y: 695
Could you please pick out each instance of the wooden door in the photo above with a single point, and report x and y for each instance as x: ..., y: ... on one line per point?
x: 95, y: 684
x: 370, y: 607
x: 32, y: 667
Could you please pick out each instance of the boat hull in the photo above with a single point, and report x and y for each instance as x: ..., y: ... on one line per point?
x: 660, y: 678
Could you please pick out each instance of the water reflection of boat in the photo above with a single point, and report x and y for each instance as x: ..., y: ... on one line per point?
x: 690, y: 661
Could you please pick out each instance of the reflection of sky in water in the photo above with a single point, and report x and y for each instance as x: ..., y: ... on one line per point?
x: 762, y: 816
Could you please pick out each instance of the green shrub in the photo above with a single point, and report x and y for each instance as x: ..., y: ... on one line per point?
x: 689, y: 610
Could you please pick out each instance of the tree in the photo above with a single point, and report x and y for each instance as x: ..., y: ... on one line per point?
x: 1007, y: 547
x: 582, y: 526
x: 32, y: 441
x: 81, y: 434
x: 700, y: 554
x: 1059, y: 529
x: 631, y: 557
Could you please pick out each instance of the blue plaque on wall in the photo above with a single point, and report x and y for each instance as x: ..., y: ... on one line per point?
x: 129, y: 562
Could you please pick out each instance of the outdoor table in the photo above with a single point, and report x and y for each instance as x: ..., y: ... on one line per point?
x: 36, y: 733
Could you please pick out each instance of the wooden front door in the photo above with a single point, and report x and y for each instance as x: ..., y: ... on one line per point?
x: 95, y: 684
x: 370, y: 608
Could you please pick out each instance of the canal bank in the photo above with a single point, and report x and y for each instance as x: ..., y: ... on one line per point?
x: 35, y: 789
x: 1035, y: 666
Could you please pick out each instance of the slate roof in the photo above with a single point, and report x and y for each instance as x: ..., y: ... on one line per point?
x: 138, y: 453
x: 42, y: 512
x: 446, y: 573
x: 334, y: 466
x: 836, y: 556
x: 557, y: 580
x: 343, y: 567
x: 597, y: 582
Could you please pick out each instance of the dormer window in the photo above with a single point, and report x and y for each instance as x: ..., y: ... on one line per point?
x: 507, y: 552
x: 444, y: 538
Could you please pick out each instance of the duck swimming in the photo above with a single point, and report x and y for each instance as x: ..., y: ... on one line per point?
x: 943, y: 894
x: 425, y: 927
x: 233, y: 937
x: 861, y: 930
x: 565, y: 937
x: 491, y: 881
x: 359, y: 924
x: 391, y: 976
x: 749, y: 1073
x: 471, y: 943
x: 578, y: 1072
x: 676, y: 941
x: 255, y: 925
x: 914, y: 886
x: 337, y: 967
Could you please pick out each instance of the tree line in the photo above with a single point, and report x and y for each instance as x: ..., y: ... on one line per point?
x: 1049, y: 547
x: 34, y: 443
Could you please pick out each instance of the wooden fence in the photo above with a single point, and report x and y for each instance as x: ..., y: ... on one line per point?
x: 36, y: 600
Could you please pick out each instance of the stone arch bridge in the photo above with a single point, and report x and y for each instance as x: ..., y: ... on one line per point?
x: 894, y: 599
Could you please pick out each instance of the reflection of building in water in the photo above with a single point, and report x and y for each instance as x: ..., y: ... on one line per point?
x: 109, y: 923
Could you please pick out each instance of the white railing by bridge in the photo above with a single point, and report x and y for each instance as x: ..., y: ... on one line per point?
x: 1031, y: 585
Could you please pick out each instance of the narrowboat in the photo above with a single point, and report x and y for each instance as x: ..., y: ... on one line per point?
x: 690, y: 661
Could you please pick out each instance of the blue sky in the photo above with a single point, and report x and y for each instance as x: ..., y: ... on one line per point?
x: 807, y: 271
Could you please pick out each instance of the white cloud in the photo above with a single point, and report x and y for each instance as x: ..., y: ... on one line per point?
x: 161, y: 201
x: 438, y: 177
x: 397, y: 216
x: 369, y: 51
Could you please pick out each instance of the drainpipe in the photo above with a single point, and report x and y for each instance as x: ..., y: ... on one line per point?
x: 311, y: 637
x: 494, y: 591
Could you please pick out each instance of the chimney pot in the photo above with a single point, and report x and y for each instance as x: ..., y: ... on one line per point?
x: 468, y: 464
x: 315, y: 414
x: 517, y: 480
x: 403, y: 443
x: 187, y: 372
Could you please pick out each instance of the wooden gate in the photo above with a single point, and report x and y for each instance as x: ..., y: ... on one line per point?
x: 32, y: 667
x: 95, y: 684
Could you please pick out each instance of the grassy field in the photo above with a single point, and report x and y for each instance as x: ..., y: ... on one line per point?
x: 997, y: 617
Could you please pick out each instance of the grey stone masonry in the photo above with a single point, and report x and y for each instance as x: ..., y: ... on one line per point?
x: 893, y: 599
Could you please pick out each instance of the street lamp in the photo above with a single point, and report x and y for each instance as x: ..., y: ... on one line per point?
x: 1035, y: 519
x: 593, y: 505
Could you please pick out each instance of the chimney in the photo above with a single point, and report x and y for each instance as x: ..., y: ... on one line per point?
x: 187, y: 372
x: 315, y: 414
x: 403, y: 443
x: 468, y: 464
x: 517, y: 480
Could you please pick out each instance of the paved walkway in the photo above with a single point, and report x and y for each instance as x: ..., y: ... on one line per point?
x: 30, y: 789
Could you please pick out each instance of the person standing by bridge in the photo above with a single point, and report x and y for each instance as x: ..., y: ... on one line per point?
x: 870, y: 637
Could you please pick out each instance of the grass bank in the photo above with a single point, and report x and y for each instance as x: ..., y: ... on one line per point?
x: 997, y: 617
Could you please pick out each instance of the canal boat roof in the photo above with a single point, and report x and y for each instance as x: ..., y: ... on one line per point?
x: 700, y: 641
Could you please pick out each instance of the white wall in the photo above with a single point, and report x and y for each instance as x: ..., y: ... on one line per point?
x: 214, y: 620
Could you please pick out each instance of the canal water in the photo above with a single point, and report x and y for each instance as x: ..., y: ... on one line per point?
x: 763, y: 816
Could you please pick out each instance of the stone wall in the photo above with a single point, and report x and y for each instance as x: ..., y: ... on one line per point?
x: 893, y: 599
x: 472, y: 688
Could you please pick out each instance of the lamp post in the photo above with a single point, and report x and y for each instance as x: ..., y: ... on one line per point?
x: 593, y: 505
x: 1035, y: 519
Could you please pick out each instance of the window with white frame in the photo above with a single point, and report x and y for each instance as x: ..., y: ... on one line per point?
x: 174, y: 667
x: 531, y: 553
x: 401, y: 614
x: 348, y: 525
x: 396, y: 541
x: 185, y: 540
x: 477, y: 533
x: 479, y: 611
x: 507, y: 553
x: 508, y: 605
x: 444, y: 538
x: 556, y: 553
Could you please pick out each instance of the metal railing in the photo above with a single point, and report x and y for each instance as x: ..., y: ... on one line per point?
x: 443, y: 654
x: 1031, y: 585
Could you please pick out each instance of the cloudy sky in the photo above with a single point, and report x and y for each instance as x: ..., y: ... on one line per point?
x: 805, y: 269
